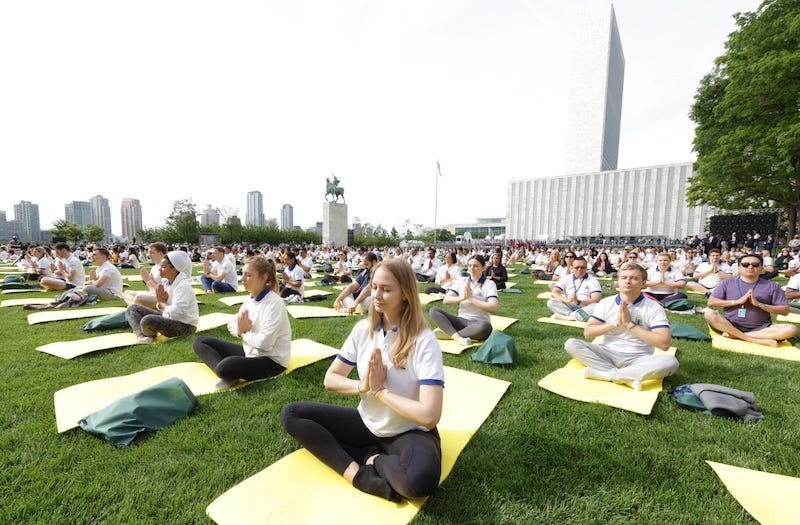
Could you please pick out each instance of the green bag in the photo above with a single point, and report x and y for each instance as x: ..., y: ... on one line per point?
x: 498, y: 349
x: 525, y: 271
x: 685, y: 398
x: 511, y: 290
x: 108, y: 322
x: 13, y: 279
x: 151, y: 409
x: 678, y: 305
x: 683, y: 331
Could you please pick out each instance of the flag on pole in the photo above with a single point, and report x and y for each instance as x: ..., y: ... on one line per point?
x: 438, y: 168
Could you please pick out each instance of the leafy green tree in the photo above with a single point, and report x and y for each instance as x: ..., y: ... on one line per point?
x: 746, y: 110
x: 148, y: 235
x: 94, y: 233
x: 67, y: 231
x: 181, y: 224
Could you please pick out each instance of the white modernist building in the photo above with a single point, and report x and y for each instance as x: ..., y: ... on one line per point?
x: 637, y: 202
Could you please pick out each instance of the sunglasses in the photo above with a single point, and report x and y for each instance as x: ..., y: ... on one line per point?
x: 748, y: 265
x: 633, y: 256
x: 579, y: 267
x: 569, y: 256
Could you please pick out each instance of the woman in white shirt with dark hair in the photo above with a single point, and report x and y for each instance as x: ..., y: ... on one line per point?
x: 389, y: 446
x: 263, y: 326
x: 476, y: 297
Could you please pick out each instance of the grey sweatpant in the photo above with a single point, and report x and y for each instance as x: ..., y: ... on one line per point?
x: 148, y: 322
x: 622, y: 367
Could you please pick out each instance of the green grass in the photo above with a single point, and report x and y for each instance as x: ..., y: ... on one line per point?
x: 539, y: 458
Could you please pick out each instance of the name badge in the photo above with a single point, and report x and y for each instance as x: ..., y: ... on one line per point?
x: 742, y: 313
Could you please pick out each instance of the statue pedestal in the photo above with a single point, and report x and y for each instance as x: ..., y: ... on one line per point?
x: 334, y: 224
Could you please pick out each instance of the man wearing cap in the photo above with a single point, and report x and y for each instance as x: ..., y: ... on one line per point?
x: 176, y: 311
x: 748, y: 303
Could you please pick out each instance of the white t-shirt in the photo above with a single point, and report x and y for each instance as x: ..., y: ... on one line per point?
x: 644, y: 312
x: 585, y: 287
x: 113, y: 282
x: 424, y: 367
x: 226, y: 272
x: 712, y: 280
x: 181, y: 301
x: 794, y: 283
x: 271, y: 335
x: 74, y: 272
x: 484, y: 290
x: 654, y: 274
x: 295, y: 273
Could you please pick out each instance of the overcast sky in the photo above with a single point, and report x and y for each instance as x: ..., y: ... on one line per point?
x: 161, y: 100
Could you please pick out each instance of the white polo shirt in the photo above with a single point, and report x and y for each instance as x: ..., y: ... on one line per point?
x: 484, y: 290
x: 644, y: 312
x: 424, y: 367
x: 672, y: 274
x: 570, y: 284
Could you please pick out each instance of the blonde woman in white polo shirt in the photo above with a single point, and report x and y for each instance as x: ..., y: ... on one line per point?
x: 388, y: 446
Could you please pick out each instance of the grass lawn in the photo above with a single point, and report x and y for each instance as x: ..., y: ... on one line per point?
x: 539, y: 458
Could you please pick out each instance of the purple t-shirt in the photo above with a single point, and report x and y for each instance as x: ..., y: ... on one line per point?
x: 764, y: 291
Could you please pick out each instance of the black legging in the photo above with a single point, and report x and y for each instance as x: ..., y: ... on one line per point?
x: 228, y: 361
x: 411, y: 462
x: 451, y: 324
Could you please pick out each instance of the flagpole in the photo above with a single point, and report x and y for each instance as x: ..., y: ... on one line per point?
x: 436, y: 200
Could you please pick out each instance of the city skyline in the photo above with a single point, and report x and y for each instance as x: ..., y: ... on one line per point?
x: 209, y: 116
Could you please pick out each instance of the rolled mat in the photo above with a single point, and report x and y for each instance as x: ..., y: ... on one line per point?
x: 570, y: 383
x: 300, y: 489
x: 79, y: 347
x: 769, y: 498
x: 75, y: 402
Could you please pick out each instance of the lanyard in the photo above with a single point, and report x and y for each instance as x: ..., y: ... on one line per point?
x: 738, y: 285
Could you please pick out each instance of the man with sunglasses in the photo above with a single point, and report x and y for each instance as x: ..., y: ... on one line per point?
x: 748, y: 303
x: 574, y: 293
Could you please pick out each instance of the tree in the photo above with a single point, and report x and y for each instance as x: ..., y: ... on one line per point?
x: 748, y: 126
x: 181, y: 224
x: 67, y: 231
x: 93, y: 233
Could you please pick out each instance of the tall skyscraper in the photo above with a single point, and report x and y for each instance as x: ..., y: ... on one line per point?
x: 595, y: 94
x: 209, y: 216
x: 287, y: 217
x: 78, y: 212
x: 131, y: 218
x: 255, y: 209
x: 101, y: 214
x: 27, y: 214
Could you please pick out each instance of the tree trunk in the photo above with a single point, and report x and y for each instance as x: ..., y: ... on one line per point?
x: 791, y: 212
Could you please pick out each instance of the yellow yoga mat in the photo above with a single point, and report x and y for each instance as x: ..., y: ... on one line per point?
x: 542, y: 281
x: 72, y: 313
x: 29, y: 290
x: 562, y: 322
x: 306, y: 312
x: 570, y: 383
x: 510, y: 284
x: 136, y: 278
x: 239, y: 299
x: 300, y: 489
x: 77, y: 401
x: 428, y: 298
x: 449, y: 346
x: 27, y: 300
x: 545, y: 295
x: 791, y: 317
x: 784, y: 350
x: 769, y: 498
x: 79, y: 347
x: 501, y: 323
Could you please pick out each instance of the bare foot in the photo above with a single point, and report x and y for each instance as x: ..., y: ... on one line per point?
x: 765, y: 342
x: 726, y: 334
x: 371, y: 459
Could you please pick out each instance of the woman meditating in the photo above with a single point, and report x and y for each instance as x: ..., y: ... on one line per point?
x: 263, y: 326
x: 389, y: 445
x: 476, y: 297
x: 496, y: 271
x: 176, y: 311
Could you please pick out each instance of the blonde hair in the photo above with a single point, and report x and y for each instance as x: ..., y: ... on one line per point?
x: 633, y: 266
x: 264, y: 266
x: 412, y: 320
